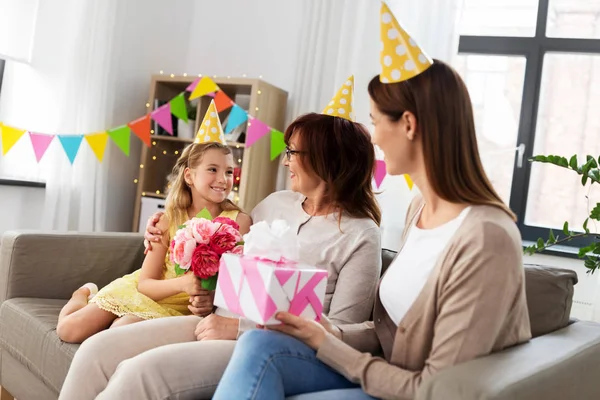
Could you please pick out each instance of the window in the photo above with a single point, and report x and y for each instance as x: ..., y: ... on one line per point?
x: 533, y: 72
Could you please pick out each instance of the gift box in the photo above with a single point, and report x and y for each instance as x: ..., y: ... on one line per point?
x: 267, y: 278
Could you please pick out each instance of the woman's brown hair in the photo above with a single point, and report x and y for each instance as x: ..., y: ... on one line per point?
x: 179, y: 197
x: 440, y: 101
x: 339, y: 152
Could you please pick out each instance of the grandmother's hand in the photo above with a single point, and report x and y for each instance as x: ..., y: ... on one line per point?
x: 216, y: 327
x: 152, y: 233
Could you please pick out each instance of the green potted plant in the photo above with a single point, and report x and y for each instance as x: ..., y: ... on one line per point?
x: 590, y: 174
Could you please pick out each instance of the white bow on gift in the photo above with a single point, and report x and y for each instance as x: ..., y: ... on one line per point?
x: 276, y: 242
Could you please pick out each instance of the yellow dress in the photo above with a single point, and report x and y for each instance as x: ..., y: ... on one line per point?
x: 121, y: 296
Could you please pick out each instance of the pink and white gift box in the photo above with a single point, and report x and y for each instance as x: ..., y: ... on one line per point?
x: 257, y: 289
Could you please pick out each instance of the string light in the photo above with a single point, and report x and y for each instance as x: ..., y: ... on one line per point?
x: 214, y: 77
x: 199, y: 75
x: 153, y: 143
x: 235, y: 188
x: 260, y: 77
x: 237, y: 179
x: 141, y: 165
x: 154, y: 157
x: 237, y: 146
x: 228, y: 77
x: 143, y: 193
x: 176, y: 152
x: 147, y: 105
x: 158, y: 192
x: 152, y: 131
x: 161, y: 72
x: 135, y: 181
x: 243, y: 75
x: 164, y: 152
x: 184, y: 74
x: 259, y: 92
x: 239, y: 160
x: 256, y: 108
x: 172, y: 75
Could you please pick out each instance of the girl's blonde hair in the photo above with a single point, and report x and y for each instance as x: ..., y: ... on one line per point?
x: 179, y: 197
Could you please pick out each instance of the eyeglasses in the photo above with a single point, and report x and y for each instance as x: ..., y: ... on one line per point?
x: 289, y: 152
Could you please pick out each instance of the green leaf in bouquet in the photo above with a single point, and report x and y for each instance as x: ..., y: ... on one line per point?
x: 205, y: 214
x: 210, y: 283
x: 241, y: 243
x: 179, y: 271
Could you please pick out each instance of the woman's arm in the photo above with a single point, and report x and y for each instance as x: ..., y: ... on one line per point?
x: 354, y: 294
x: 151, y: 281
x: 474, y: 304
x: 244, y: 221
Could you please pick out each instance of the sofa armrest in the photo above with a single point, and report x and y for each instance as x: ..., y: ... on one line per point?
x: 560, y: 365
x: 53, y: 264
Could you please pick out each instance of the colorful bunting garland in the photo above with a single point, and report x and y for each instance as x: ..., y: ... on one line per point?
x: 141, y: 127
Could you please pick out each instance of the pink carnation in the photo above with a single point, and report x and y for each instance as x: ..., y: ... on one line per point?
x: 227, y: 221
x: 222, y: 242
x: 239, y: 250
x: 202, y: 229
x: 205, y: 262
x: 182, y: 252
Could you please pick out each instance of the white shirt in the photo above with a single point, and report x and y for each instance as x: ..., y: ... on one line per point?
x: 408, y: 273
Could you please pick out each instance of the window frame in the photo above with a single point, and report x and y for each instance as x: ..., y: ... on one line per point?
x: 533, y: 49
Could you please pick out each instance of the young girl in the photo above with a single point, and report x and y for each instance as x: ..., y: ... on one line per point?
x: 202, y: 178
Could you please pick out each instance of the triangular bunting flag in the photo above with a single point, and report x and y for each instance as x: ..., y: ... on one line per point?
x: 222, y: 101
x: 277, y: 143
x: 256, y: 130
x: 10, y: 136
x: 40, y: 143
x: 162, y: 115
x: 141, y: 128
x: 237, y: 116
x: 120, y: 136
x: 409, y: 181
x: 205, y: 86
x: 178, y: 107
x: 97, y: 142
x: 70, y: 144
x: 192, y: 85
x: 380, y: 172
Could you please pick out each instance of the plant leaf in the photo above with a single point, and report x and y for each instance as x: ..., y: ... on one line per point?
x: 585, y: 228
x: 595, y: 214
x: 592, y: 162
x: 204, y: 214
x: 540, y: 244
x: 584, y: 178
x: 552, y: 238
x: 566, y: 228
x: 573, y: 162
x: 209, y: 283
x: 179, y: 271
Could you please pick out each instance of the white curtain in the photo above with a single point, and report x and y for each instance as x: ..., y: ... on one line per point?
x: 340, y: 38
x: 90, y: 71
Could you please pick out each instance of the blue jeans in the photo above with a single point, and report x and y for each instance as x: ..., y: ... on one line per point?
x: 271, y: 365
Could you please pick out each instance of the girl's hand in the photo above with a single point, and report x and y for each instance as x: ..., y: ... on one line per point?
x: 152, y: 234
x: 311, y: 333
x: 191, y: 284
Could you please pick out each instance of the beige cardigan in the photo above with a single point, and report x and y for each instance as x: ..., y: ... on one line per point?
x: 472, y: 304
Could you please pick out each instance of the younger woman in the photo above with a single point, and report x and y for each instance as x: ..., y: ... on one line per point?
x: 202, y: 178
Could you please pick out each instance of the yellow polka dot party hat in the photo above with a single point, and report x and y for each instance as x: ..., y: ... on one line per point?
x: 210, y: 130
x: 342, y: 102
x: 401, y: 57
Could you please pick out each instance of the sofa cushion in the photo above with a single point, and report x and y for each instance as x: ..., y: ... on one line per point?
x: 549, y: 297
x: 28, y: 333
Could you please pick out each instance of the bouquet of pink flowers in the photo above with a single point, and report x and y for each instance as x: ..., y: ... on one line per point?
x: 199, y: 244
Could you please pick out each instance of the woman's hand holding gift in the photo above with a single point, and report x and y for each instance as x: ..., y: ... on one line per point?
x: 216, y: 327
x: 310, y: 332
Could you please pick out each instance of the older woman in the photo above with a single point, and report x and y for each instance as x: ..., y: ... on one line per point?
x: 333, y: 209
x: 455, y: 291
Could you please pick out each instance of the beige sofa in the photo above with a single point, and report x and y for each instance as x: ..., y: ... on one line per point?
x: 39, y: 271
